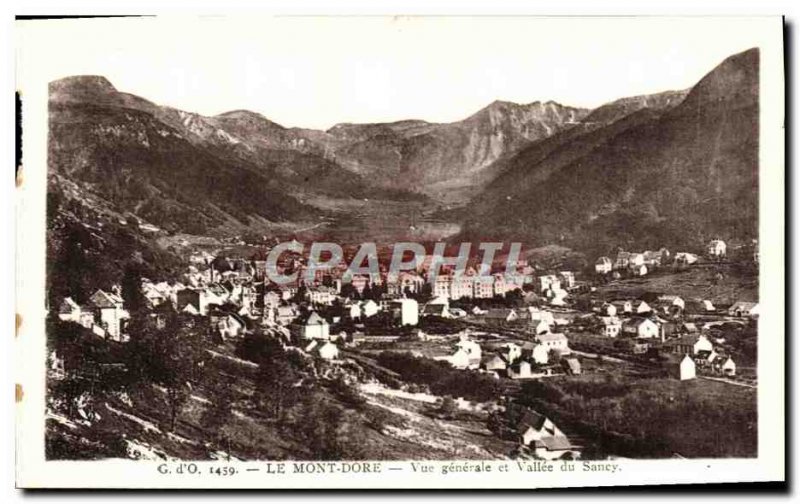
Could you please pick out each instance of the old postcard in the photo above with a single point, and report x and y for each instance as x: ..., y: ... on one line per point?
x: 400, y: 252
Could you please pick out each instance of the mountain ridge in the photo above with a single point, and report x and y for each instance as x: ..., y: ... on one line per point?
x: 425, y: 151
x: 675, y: 176
x: 508, y: 169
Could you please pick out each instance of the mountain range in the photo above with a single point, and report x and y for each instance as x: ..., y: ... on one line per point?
x: 673, y: 168
x: 676, y: 170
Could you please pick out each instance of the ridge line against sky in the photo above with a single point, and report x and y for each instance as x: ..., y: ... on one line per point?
x: 308, y: 72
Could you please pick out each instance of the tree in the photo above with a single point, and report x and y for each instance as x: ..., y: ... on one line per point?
x: 217, y: 415
x: 378, y: 418
x: 447, y: 408
x: 177, y: 397
x: 515, y: 298
x: 347, y: 393
x: 132, y: 288
x: 74, y: 265
x: 90, y: 373
x: 275, y: 380
x: 324, y: 429
x: 495, y: 422
x: 170, y: 356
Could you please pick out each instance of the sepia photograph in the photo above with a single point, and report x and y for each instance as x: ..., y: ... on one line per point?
x: 365, y: 246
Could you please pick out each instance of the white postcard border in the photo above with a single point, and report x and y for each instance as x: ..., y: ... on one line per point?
x: 30, y: 356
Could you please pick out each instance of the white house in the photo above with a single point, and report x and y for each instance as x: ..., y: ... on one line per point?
x: 321, y: 295
x: 511, y: 351
x: 541, y: 434
x: 493, y: 362
x: 70, y: 311
x: 559, y: 297
x: 369, y: 308
x: 716, y: 249
x: 640, y: 328
x: 467, y: 355
x: 567, y: 279
x: 548, y: 282
x: 636, y: 259
x: 536, y: 315
x: 406, y: 311
x: 611, y: 326
x: 328, y: 351
x: 608, y: 309
x: 536, y: 352
x: 685, y: 258
x: 109, y: 313
x: 554, y: 448
x: 539, y: 327
x: 520, y: 370
x: 672, y: 300
x: 726, y: 366
x: 227, y: 325
x: 459, y: 359
x: 681, y: 368
x: 743, y: 309
x: 702, y: 344
x: 603, y: 265
x: 315, y: 327
x: 153, y: 295
x: 354, y: 311
x: 623, y: 306
x: 554, y: 341
x: 623, y: 260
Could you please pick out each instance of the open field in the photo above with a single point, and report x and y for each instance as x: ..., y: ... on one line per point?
x: 721, y: 284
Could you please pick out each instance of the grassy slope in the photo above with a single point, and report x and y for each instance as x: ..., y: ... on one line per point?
x: 722, y: 424
x: 406, y: 431
x: 700, y: 282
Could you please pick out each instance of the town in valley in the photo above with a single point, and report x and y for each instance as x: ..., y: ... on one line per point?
x: 626, y: 328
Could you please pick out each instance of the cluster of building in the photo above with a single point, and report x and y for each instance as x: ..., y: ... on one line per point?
x: 232, y: 296
x: 545, y: 354
x: 640, y: 263
x: 103, y: 313
x: 659, y: 328
x: 543, y: 438
x: 636, y: 263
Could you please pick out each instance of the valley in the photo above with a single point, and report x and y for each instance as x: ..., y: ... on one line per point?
x: 635, y: 298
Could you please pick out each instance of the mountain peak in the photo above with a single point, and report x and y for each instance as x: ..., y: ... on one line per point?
x: 502, y: 104
x: 735, y: 80
x: 617, y: 109
x: 81, y: 87
x: 248, y: 118
x: 241, y: 114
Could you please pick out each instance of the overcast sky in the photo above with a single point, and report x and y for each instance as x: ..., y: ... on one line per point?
x: 316, y: 72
